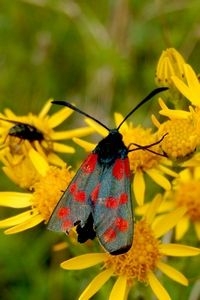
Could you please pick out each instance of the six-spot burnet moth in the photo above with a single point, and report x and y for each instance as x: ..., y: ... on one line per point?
x: 24, y: 131
x: 98, y: 199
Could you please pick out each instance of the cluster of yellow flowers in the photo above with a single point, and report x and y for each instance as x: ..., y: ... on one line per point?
x: 29, y: 147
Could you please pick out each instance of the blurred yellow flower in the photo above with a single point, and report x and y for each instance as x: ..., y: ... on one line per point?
x: 140, y: 263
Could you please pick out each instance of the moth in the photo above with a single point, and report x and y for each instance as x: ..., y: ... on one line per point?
x: 98, y: 200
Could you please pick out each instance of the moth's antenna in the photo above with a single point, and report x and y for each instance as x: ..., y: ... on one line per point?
x: 64, y: 103
x: 147, y: 98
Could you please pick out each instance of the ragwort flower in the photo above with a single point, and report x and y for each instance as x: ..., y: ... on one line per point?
x: 141, y: 161
x: 39, y: 131
x: 20, y: 170
x: 186, y: 193
x: 183, y: 128
x: 40, y: 203
x: 140, y: 263
x: 182, y: 135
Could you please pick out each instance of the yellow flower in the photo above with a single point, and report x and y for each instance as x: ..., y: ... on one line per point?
x: 140, y: 264
x: 141, y: 161
x: 40, y: 203
x: 182, y: 137
x: 186, y: 193
x: 40, y: 134
x: 20, y: 170
x: 170, y: 63
x: 183, y: 131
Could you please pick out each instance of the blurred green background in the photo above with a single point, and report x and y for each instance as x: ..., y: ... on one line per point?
x: 101, y: 56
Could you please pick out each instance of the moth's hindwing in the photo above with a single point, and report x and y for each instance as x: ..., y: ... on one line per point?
x: 113, y: 213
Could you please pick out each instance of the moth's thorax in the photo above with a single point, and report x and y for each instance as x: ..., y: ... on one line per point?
x: 110, y: 148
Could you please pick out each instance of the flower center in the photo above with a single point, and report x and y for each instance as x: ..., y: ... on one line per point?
x: 141, y: 159
x: 48, y: 191
x: 141, y: 258
x: 188, y: 195
x: 181, y: 140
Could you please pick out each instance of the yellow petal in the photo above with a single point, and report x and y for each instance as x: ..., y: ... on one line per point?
x: 167, y: 221
x: 172, y: 273
x: 118, y: 119
x: 39, y: 162
x: 88, y: 147
x: 153, y: 208
x: 96, y: 284
x: 55, y: 160
x: 162, y: 104
x: 181, y: 86
x: 155, y: 121
x: 197, y: 229
x: 167, y: 171
x: 58, y: 147
x: 192, y: 89
x: 97, y: 127
x: 139, y: 187
x: 9, y: 114
x: 178, y: 250
x: 159, y: 178
x: 44, y: 111
x: 20, y: 218
x: 157, y: 288
x: 60, y: 246
x: 68, y: 134
x: 119, y: 289
x: 15, y: 200
x: 181, y: 227
x: 9, y: 173
x: 174, y: 114
x: 33, y: 221
x: 191, y: 77
x: 83, y: 261
x: 61, y: 115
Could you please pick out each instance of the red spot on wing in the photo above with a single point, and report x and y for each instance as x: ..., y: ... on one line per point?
x: 123, y: 198
x: 121, y: 224
x: 111, y: 202
x: 80, y: 196
x: 109, y: 235
x: 73, y: 188
x: 66, y: 225
x: 90, y: 163
x: 95, y: 193
x: 121, y: 168
x: 127, y: 167
x: 63, y: 212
